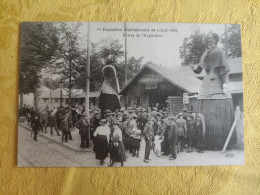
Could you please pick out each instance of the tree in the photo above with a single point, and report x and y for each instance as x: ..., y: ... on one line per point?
x: 38, y: 45
x: 192, y: 48
x: 110, y: 52
x: 232, y: 39
x: 70, y: 59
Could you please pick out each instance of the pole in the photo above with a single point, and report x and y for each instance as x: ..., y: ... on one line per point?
x: 125, y: 54
x: 70, y: 67
x: 87, y: 73
x: 51, y: 91
x: 60, y: 97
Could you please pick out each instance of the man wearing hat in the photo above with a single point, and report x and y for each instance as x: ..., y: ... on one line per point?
x: 132, y: 126
x: 190, y: 133
x: 64, y: 126
x: 84, y: 128
x: 109, y: 118
x: 182, y: 131
x: 113, y: 114
x: 165, y: 144
x: 94, y: 122
x: 148, y: 136
x: 69, y: 117
x: 140, y: 120
x: 106, y: 113
x: 172, y: 132
x: 44, y: 119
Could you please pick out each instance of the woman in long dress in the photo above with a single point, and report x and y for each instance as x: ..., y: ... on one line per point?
x: 101, y: 135
x: 214, y: 100
x: 117, y: 150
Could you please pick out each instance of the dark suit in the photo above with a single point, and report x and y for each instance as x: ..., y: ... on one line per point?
x: 173, y: 139
x: 84, y: 128
x: 182, y: 130
x: 148, y: 136
x: 36, y: 126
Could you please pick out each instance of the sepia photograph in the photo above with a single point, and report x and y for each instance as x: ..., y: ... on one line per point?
x: 114, y: 94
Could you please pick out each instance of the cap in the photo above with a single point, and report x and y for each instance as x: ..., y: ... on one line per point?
x: 134, y: 116
x: 179, y: 115
x: 172, y: 117
x: 107, y: 111
x: 115, y: 122
x: 103, y: 121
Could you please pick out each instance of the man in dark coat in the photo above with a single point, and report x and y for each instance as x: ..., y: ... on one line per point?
x: 44, y: 119
x: 69, y: 117
x: 148, y: 136
x: 84, y: 128
x: 53, y: 123
x: 59, y: 116
x: 74, y: 115
x: 36, y: 126
x: 165, y: 144
x: 182, y: 131
x: 64, y: 126
x: 190, y: 133
x: 140, y: 120
x: 172, y: 137
x: 32, y: 114
x: 94, y: 122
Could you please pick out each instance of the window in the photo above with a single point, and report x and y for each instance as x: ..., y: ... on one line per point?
x: 129, y: 101
x: 151, y: 85
x: 139, y: 101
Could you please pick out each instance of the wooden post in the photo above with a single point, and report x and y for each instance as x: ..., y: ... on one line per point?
x: 125, y: 55
x: 237, y: 116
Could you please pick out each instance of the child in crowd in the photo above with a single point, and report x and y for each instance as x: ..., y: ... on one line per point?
x: 158, y: 139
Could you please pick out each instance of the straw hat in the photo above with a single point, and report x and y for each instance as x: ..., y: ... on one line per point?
x: 103, y: 121
x: 134, y: 116
x: 115, y: 122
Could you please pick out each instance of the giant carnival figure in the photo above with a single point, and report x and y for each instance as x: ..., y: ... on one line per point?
x: 109, y: 99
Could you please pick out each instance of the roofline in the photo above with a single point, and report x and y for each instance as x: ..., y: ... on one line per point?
x: 127, y: 85
x: 147, y: 66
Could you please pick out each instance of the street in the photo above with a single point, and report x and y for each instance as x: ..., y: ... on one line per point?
x: 46, y: 153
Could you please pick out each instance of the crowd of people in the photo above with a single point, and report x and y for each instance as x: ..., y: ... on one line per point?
x: 117, y: 132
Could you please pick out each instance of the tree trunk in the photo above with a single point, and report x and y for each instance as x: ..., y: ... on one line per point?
x: 21, y: 100
x: 35, y: 93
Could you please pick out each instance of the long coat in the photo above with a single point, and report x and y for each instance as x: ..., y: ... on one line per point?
x: 182, y: 127
x: 52, y: 120
x: 36, y: 124
x: 83, y: 126
x: 148, y: 131
x: 173, y: 132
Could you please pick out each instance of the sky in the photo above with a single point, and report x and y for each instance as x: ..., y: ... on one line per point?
x: 162, y: 50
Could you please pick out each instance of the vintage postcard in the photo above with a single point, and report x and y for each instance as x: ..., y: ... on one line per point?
x: 107, y: 94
